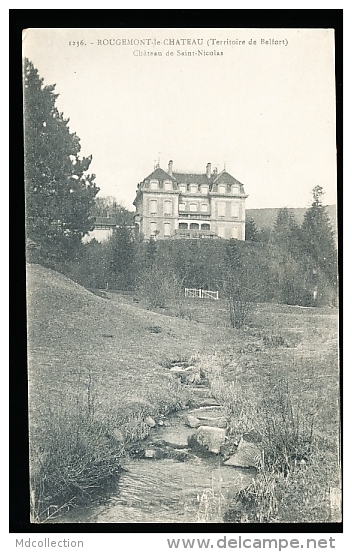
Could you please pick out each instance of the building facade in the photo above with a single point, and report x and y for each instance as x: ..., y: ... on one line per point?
x: 171, y: 205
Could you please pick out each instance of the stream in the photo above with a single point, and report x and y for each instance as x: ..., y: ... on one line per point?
x: 170, y: 478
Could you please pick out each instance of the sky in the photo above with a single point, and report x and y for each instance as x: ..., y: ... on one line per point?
x: 260, y: 102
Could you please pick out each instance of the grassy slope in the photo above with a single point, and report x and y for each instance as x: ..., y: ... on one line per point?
x: 309, y: 363
x: 72, y: 333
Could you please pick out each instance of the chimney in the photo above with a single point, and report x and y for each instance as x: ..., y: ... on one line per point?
x: 208, y: 173
x: 215, y: 171
x: 170, y: 168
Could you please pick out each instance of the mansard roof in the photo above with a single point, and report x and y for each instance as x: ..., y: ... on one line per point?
x: 194, y: 178
x: 159, y: 174
x: 187, y: 178
x: 226, y: 178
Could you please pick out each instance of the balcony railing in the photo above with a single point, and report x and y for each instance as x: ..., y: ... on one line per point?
x: 198, y: 216
x: 194, y: 234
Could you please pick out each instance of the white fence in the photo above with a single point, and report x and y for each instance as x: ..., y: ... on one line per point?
x: 201, y: 293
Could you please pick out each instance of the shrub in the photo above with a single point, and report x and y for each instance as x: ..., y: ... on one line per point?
x: 160, y: 287
x: 76, y: 459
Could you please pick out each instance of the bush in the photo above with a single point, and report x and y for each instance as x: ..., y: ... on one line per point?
x: 160, y: 287
x: 77, y: 458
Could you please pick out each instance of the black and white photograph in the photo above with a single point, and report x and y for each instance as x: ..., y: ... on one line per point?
x: 182, y: 276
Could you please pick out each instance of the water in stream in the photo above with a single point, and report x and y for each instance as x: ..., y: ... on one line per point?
x: 188, y: 487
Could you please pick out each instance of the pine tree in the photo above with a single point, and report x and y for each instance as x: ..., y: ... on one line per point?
x: 251, y: 230
x: 59, y: 195
x: 318, y: 236
x: 123, y: 258
x: 286, y: 232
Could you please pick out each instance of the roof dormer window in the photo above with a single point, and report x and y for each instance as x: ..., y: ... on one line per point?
x: 193, y: 188
x: 235, y: 189
x: 168, y: 186
x: 154, y: 185
x: 222, y: 188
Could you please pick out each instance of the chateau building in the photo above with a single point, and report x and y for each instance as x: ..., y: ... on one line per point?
x: 182, y: 205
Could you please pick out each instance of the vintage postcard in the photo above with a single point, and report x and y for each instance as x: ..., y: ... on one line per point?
x: 182, y: 282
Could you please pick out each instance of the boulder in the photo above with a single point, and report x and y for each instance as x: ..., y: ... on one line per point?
x: 197, y: 379
x: 150, y: 422
x: 212, y: 421
x: 157, y: 454
x: 189, y: 378
x: 209, y: 438
x: 192, y: 421
x: 176, y: 437
x: 181, y: 369
x: 246, y: 455
x: 208, y: 401
x: 194, y: 368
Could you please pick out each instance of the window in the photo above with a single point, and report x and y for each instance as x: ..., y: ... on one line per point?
x: 204, y: 190
x: 193, y: 188
x: 221, y: 208
x: 205, y: 226
x: 204, y: 207
x: 167, y: 207
x: 183, y: 188
x: 234, y: 232
x: 221, y: 231
x: 167, y: 229
x: 168, y: 185
x: 194, y: 226
x: 153, y: 228
x: 222, y: 188
x: 153, y: 206
x: 235, y: 210
x: 183, y: 226
x: 181, y: 206
x: 153, y: 184
x: 235, y: 189
x: 193, y: 207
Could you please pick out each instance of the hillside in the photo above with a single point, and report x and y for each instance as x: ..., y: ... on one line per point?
x: 265, y: 218
x: 73, y: 335
x: 98, y: 369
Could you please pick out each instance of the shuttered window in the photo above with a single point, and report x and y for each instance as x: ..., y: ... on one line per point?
x: 234, y: 232
x: 235, y: 210
x: 221, y: 208
x: 167, y: 207
x: 153, y: 206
